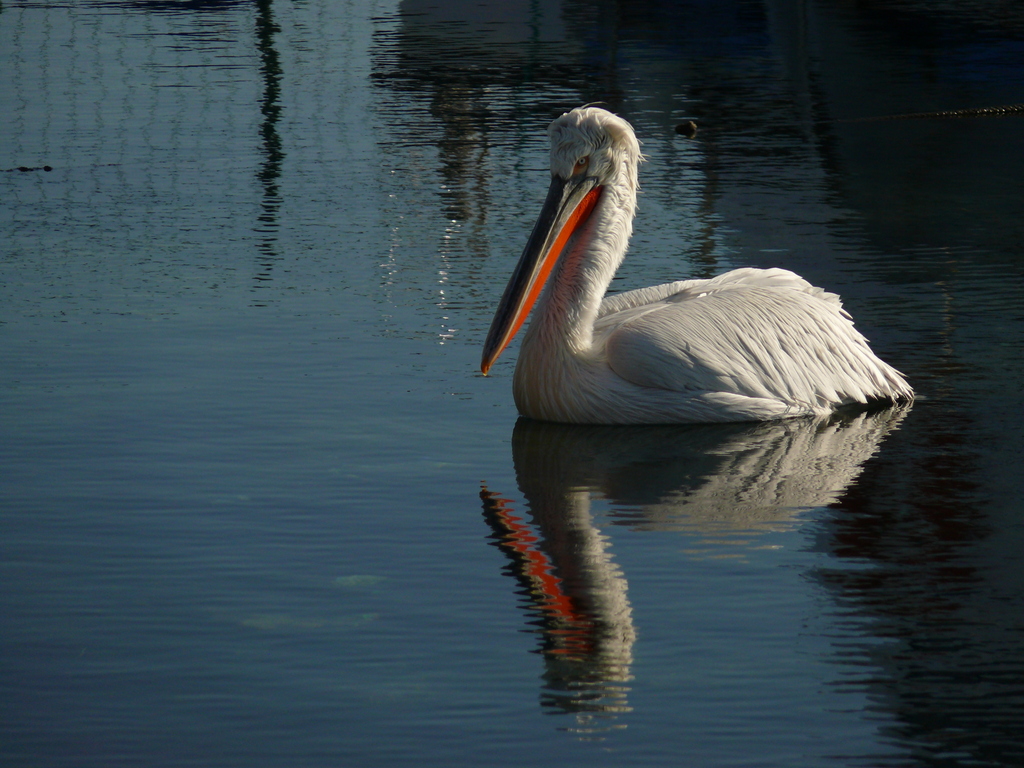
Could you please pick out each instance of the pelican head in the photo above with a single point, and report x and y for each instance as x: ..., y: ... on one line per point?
x: 603, y: 142
x: 592, y: 151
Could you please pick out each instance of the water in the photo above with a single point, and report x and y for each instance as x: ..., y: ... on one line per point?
x: 259, y: 509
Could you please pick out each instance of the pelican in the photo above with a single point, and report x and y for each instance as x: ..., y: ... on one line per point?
x: 747, y: 345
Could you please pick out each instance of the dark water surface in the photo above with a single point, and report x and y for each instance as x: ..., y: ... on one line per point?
x: 258, y: 508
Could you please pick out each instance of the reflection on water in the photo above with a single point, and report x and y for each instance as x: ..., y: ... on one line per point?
x: 578, y: 598
x: 926, y: 593
x: 271, y: 144
x: 703, y: 479
x: 709, y: 479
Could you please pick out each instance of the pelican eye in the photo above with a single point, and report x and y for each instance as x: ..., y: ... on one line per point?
x: 581, y: 164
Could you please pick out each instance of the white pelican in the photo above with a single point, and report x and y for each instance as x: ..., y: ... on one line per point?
x: 748, y: 345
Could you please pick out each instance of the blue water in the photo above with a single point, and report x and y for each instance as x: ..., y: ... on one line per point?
x: 258, y: 507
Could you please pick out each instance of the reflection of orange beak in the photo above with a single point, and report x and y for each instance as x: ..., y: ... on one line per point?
x: 523, y: 545
x: 567, y: 207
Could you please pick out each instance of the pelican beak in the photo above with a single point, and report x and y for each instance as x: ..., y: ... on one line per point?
x: 568, y: 205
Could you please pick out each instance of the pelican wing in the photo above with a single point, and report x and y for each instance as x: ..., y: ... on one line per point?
x: 682, y: 290
x: 764, y: 334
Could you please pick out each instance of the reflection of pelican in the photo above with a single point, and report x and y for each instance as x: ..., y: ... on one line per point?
x: 579, y: 600
x: 704, y: 478
x: 749, y: 345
